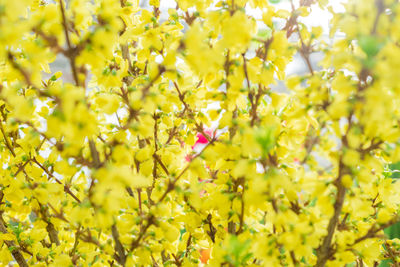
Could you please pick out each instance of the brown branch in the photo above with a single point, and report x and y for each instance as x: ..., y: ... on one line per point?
x: 199, y: 127
x: 21, y: 167
x: 89, y: 238
x: 95, y: 154
x: 245, y: 71
x: 325, y: 251
x: 373, y: 230
x: 23, y: 72
x: 139, y: 193
x: 71, y: 53
x: 293, y: 257
x: 53, y: 233
x: 155, y: 137
x: 304, y: 50
x: 51, y: 40
x: 254, y: 99
x: 15, y: 250
x: 171, y: 185
x: 125, y: 50
x: 119, y: 255
x: 145, y: 90
x: 373, y: 146
x: 58, y: 215
x: 10, y: 148
x: 227, y: 65
x: 241, y: 217
x: 136, y: 242
x: 309, y: 144
x: 392, y: 255
x: 51, y: 230
x: 171, y: 133
x: 213, y: 230
x: 66, y: 188
x: 188, y: 243
x: 254, y: 106
x: 182, y: 98
x: 158, y: 159
x: 380, y: 6
x: 72, y: 254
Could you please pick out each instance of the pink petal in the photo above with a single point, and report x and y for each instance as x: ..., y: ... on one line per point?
x: 201, y: 139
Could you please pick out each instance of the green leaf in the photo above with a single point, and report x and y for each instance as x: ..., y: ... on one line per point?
x: 395, y: 170
x: 385, y: 263
x: 264, y: 33
x: 266, y: 138
x: 393, y: 231
x: 371, y: 45
x: 238, y: 251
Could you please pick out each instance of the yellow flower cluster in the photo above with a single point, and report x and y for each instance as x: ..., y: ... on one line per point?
x: 97, y: 161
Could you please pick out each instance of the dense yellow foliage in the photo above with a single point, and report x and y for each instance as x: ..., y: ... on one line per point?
x: 96, y: 172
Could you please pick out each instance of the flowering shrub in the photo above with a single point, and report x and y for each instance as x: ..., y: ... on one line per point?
x: 98, y: 169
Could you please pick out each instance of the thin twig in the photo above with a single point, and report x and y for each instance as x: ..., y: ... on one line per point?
x: 66, y: 188
x: 71, y: 51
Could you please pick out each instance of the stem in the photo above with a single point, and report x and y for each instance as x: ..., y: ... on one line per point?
x: 15, y: 250
x: 120, y: 255
x: 66, y: 188
x: 6, y: 140
x: 325, y: 251
x: 71, y: 53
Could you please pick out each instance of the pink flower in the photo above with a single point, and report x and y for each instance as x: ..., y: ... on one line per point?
x: 201, y: 139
